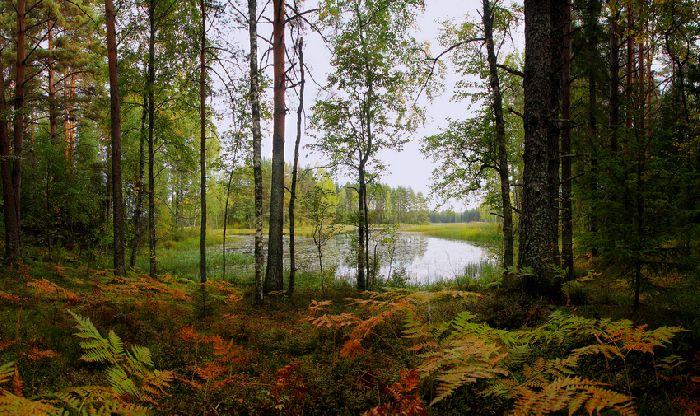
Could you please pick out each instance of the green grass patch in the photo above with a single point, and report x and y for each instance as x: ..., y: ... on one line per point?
x: 482, y: 233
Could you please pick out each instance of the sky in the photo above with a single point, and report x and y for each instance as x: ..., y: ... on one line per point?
x: 408, y: 167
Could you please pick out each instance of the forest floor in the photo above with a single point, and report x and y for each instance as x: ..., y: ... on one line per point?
x: 466, y: 350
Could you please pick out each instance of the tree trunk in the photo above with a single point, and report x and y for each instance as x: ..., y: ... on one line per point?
x: 257, y: 152
x: 629, y: 77
x: 567, y: 230
x: 223, y: 243
x: 117, y: 201
x: 614, y: 96
x: 203, y: 147
x: 150, y: 82
x: 138, y: 210
x: 536, y: 248
x: 274, y: 272
x: 361, y: 189
x: 497, y: 108
x: 557, y: 24
x: 12, y: 243
x: 295, y: 167
x: 53, y: 117
x: 640, y: 134
x: 18, y: 128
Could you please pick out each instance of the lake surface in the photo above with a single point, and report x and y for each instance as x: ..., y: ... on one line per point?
x: 412, y: 257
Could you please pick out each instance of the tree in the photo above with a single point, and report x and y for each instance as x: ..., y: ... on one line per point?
x: 11, y: 220
x: 203, y: 145
x: 375, y: 72
x: 567, y: 228
x: 115, y: 115
x: 299, y: 48
x: 150, y: 88
x: 536, y: 241
x: 474, y: 154
x: 275, y: 251
x: 257, y: 139
x: 497, y: 108
x: 319, y: 206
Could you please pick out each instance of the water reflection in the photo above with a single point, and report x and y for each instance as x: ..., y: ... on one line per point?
x: 422, y: 259
x: 417, y: 258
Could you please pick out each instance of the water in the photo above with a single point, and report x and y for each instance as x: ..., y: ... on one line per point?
x: 413, y: 258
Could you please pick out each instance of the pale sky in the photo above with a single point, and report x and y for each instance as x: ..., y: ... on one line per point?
x: 408, y: 167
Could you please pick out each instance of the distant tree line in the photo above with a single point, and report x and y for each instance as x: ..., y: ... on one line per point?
x: 450, y: 216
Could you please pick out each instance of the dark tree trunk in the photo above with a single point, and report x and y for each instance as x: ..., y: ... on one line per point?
x: 295, y: 167
x: 497, y: 108
x: 117, y: 201
x: 629, y: 70
x: 53, y: 117
x: 203, y: 147
x: 567, y: 230
x: 12, y: 243
x: 274, y: 272
x: 138, y: 210
x: 150, y: 82
x: 536, y: 239
x: 557, y: 23
x: 614, y: 96
x: 257, y: 152
x: 641, y: 137
x: 18, y: 128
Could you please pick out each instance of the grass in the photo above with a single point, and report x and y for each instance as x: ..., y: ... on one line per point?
x: 181, y: 257
x: 482, y: 233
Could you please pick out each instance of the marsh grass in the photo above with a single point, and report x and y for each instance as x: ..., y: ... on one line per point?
x: 481, y: 233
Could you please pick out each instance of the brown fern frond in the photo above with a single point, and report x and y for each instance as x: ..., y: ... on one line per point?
x: 17, y: 383
x: 571, y: 394
x: 405, y: 399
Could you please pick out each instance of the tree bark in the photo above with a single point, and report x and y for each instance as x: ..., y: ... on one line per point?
x: 641, y: 137
x: 295, y: 167
x: 497, y: 108
x: 53, y: 117
x: 12, y: 243
x: 567, y: 230
x: 203, y: 147
x: 150, y: 82
x: 557, y: 24
x: 536, y: 248
x: 18, y: 128
x: 138, y: 210
x: 614, y: 95
x: 274, y: 271
x: 257, y: 152
x: 117, y: 201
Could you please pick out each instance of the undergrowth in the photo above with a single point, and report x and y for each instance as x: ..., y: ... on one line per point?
x: 82, y: 341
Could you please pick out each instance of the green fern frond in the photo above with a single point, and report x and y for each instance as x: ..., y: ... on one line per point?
x: 121, y: 383
x: 7, y: 370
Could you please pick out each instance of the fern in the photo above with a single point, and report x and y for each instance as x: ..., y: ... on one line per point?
x: 405, y: 399
x: 130, y: 373
x: 462, y: 361
x: 217, y: 372
x: 571, y: 394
